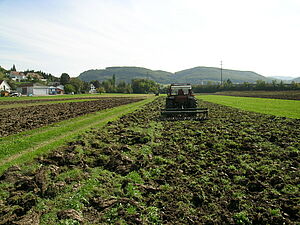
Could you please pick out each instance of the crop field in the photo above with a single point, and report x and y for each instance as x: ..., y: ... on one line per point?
x: 291, y: 95
x: 238, y: 167
x: 276, y: 107
x: 26, y: 118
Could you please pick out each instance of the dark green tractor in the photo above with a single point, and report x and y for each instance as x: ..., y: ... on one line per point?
x: 181, y: 103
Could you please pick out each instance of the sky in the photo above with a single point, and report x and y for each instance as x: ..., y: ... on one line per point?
x: 72, y: 36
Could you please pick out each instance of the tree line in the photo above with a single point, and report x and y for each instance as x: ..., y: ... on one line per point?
x: 259, y: 85
x: 138, y: 86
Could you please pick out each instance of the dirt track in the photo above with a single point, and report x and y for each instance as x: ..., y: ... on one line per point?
x: 16, y: 120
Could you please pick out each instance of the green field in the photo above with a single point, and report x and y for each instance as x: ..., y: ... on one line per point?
x: 276, y: 107
x: 16, y: 149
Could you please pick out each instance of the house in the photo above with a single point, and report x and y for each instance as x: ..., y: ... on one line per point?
x: 17, y: 76
x: 4, y: 86
x: 60, y: 89
x: 92, y: 89
x: 52, y: 90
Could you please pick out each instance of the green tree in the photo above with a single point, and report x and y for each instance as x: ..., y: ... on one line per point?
x: 13, y: 68
x: 86, y: 87
x: 64, y: 79
x: 113, y: 81
x: 96, y: 83
x: 144, y: 86
x: 260, y: 84
x: 69, y: 88
x: 77, y: 83
x: 123, y: 87
x: 100, y: 90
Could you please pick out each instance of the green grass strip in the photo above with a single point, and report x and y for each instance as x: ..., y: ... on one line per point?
x: 23, y: 147
x: 276, y: 107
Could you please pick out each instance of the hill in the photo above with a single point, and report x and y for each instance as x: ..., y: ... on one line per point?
x: 297, y: 80
x: 195, y: 75
x: 127, y: 74
x: 281, y: 78
x: 199, y: 74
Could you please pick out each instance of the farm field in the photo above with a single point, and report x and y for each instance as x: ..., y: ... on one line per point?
x: 238, y: 167
x: 26, y: 118
x: 64, y: 97
x: 291, y: 95
x: 23, y: 146
x: 276, y: 107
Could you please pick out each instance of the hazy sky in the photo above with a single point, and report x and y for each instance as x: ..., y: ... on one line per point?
x: 72, y: 36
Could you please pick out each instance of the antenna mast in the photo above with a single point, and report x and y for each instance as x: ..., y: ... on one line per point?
x: 221, y: 73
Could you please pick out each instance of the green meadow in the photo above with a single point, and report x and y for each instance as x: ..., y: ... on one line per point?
x: 276, y: 107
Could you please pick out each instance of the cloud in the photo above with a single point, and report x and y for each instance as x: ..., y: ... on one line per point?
x: 74, y: 35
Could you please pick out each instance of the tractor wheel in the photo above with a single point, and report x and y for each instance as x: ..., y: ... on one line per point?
x: 193, y: 103
x: 169, y: 104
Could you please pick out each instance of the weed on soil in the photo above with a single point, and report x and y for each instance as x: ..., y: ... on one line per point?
x: 235, y: 168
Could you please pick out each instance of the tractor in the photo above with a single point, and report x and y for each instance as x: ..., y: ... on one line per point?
x: 182, y: 104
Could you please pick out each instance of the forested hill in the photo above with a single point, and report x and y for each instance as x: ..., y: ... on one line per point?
x: 195, y: 75
x: 127, y: 74
x: 296, y: 80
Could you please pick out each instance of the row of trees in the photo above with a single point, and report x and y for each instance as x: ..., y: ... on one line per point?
x: 140, y: 86
x: 261, y: 85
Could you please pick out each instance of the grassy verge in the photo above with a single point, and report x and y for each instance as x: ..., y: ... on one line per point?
x: 276, y: 107
x: 22, y: 147
x: 44, y: 103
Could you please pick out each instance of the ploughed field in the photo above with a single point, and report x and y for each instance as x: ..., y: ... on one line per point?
x: 20, y: 119
x: 13, y: 101
x: 290, y: 95
x: 235, y: 168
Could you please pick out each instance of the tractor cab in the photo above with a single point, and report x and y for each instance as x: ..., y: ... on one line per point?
x: 180, y: 89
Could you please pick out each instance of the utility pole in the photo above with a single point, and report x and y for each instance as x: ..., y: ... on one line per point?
x: 221, y: 73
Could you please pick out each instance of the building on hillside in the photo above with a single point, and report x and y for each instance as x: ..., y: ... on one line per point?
x: 92, y: 89
x: 17, y: 76
x: 4, y: 86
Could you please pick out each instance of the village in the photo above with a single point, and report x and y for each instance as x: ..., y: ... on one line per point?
x: 16, y: 84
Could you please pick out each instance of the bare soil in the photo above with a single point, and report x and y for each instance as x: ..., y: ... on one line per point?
x: 21, y: 119
x: 235, y: 168
x: 46, y: 100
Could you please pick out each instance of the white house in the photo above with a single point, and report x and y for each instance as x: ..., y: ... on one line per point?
x: 17, y: 76
x: 4, y: 86
x: 92, y: 89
